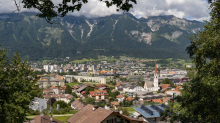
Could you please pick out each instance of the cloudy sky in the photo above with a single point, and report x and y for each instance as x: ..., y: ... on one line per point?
x: 191, y: 9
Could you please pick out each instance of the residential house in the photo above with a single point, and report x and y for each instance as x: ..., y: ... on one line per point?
x: 48, y: 91
x: 135, y: 88
x: 173, y: 92
x: 118, y: 87
x: 157, y: 100
x: 151, y: 113
x: 75, y: 87
x: 81, y: 89
x: 100, y: 86
x: 77, y: 105
x: 38, y: 104
x: 130, y: 98
x: 150, y: 97
x: 59, y: 77
x: 165, y: 86
x: 120, y: 98
x: 63, y: 97
x: 62, y: 89
x: 99, y: 95
x: 55, y: 89
x: 178, y: 88
x: 126, y: 87
x: 44, y: 82
x: 104, y: 88
x: 115, y: 104
x: 91, y: 114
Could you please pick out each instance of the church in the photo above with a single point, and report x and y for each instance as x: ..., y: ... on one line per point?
x: 152, y: 86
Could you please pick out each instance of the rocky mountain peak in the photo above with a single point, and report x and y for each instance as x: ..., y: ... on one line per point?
x: 161, y: 36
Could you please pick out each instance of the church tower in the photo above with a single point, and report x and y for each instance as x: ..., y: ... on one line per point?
x: 155, y: 76
x: 145, y: 85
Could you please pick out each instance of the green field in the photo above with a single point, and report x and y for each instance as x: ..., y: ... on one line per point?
x: 131, y: 110
x: 72, y: 112
x: 44, y: 61
x: 62, y: 118
x: 71, y: 84
x: 110, y: 59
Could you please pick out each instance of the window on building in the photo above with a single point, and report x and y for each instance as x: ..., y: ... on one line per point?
x: 155, y: 119
x: 110, y: 121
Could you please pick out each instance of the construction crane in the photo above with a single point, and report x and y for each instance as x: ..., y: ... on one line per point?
x: 166, y: 101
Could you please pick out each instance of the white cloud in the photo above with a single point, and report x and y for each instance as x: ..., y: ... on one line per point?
x: 194, y: 9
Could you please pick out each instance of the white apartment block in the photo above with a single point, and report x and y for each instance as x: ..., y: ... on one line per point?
x: 69, y: 78
x: 50, y: 68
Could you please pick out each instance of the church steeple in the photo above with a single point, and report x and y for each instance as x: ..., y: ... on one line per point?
x: 155, y: 67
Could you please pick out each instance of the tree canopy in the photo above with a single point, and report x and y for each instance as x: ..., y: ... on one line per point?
x: 17, y: 88
x: 167, y: 81
x: 68, y: 89
x: 90, y: 100
x: 49, y: 9
x: 199, y: 101
x: 61, y: 103
x: 88, y: 89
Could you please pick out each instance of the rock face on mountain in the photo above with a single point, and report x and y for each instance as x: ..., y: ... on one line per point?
x: 151, y: 37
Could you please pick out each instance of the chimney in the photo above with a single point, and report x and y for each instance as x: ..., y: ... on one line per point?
x: 120, y: 112
x: 51, y: 118
x: 107, y: 107
x: 116, y: 108
x: 94, y: 107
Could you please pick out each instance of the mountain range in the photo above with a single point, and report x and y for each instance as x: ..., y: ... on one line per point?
x: 149, y: 37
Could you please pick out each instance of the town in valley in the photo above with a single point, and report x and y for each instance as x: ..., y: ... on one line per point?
x: 122, y: 90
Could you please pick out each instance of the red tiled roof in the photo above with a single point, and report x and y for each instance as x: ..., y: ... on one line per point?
x: 76, y: 86
x: 88, y: 115
x: 165, y: 86
x: 99, y: 86
x: 120, y: 96
x: 178, y: 87
x: 53, y: 87
x: 130, y: 98
x: 63, y: 87
x: 83, y: 92
x: 177, y: 91
x: 115, y: 103
x: 117, y: 85
x: 157, y: 100
x: 77, y: 104
x: 98, y: 93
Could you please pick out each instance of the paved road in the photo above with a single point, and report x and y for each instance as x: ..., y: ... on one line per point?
x: 53, y: 115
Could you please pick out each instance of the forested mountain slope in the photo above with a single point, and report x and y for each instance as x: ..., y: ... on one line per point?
x: 151, y: 37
